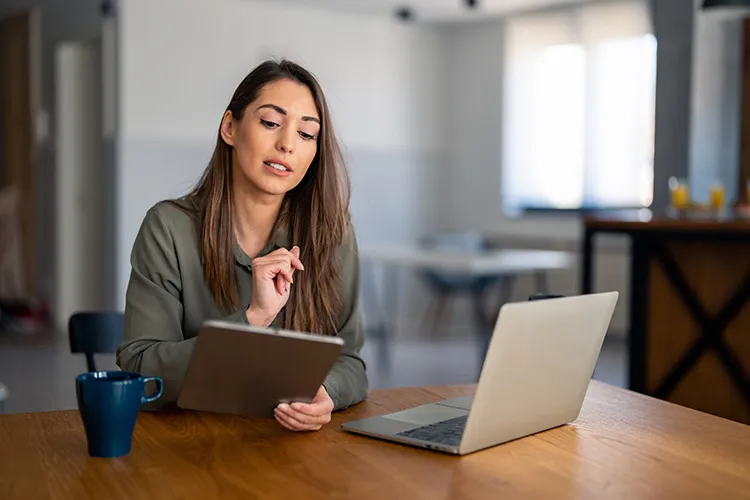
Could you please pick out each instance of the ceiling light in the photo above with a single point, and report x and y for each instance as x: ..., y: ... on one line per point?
x: 404, y: 14
x: 727, y: 8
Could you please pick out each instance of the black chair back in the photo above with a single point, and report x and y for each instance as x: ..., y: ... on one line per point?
x: 94, y: 333
x: 3, y: 397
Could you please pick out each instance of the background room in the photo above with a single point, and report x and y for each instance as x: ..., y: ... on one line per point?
x: 468, y: 127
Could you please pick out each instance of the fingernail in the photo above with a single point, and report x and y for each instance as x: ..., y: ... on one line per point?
x: 283, y: 407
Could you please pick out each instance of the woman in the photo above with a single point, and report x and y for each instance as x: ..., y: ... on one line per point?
x: 264, y: 238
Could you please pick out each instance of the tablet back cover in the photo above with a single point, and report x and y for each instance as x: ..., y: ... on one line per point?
x: 234, y: 369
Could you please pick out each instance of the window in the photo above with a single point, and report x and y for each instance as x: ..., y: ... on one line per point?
x: 579, y: 108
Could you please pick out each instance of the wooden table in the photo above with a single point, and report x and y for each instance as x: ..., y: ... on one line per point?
x: 624, y: 446
x: 689, y: 339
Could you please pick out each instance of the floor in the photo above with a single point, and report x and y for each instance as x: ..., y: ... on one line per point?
x: 39, y: 370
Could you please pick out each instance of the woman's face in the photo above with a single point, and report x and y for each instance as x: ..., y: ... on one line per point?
x: 276, y: 139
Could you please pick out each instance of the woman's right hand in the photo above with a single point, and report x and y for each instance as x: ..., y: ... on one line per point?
x: 272, y: 281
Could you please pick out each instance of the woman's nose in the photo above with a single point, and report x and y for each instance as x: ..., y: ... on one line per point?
x: 285, y: 142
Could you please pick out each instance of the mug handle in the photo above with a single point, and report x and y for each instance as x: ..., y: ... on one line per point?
x: 159, y: 389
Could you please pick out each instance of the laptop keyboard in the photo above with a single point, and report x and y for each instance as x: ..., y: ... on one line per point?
x: 447, y: 432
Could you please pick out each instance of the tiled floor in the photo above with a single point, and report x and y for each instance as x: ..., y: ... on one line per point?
x: 39, y: 372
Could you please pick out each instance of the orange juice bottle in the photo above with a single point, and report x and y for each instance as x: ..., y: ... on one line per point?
x: 716, y: 196
x: 680, y: 192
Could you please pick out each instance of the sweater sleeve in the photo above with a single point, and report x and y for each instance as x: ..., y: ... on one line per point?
x: 347, y: 383
x: 154, y: 343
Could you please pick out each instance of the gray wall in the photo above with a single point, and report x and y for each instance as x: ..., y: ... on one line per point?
x: 698, y: 99
x: 715, y: 105
x: 472, y: 89
x: 673, y: 26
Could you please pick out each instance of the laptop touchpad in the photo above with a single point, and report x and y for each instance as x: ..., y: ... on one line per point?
x: 427, y: 414
x: 462, y: 402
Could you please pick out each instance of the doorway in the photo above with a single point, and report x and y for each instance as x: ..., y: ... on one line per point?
x: 20, y: 93
x: 82, y: 215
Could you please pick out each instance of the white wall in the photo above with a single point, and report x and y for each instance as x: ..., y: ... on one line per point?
x: 181, y: 60
x: 178, y: 79
x: 79, y: 216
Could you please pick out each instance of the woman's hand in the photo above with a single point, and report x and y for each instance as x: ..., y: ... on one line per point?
x: 272, y: 281
x: 306, y: 417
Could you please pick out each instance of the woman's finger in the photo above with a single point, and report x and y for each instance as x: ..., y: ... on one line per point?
x: 294, y: 253
x: 282, y: 421
x: 294, y: 423
x: 301, y: 419
x: 272, y: 268
x: 297, y: 264
x: 306, y: 418
x: 280, y: 283
x: 283, y: 255
x: 318, y: 413
x: 291, y: 255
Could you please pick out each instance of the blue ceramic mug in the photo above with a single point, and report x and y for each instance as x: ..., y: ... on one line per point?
x: 109, y: 402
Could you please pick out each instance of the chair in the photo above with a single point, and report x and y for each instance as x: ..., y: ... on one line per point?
x: 446, y: 284
x: 94, y: 333
x: 3, y: 397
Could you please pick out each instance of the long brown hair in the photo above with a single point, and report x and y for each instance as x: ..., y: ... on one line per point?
x: 315, y: 212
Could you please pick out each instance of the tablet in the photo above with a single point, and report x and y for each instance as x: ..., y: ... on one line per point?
x: 246, y: 370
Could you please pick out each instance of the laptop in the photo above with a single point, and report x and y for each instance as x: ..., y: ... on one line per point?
x: 536, y: 372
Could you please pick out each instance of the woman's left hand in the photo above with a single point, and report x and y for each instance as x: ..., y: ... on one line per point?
x: 306, y: 416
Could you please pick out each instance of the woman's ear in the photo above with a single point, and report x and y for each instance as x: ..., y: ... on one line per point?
x: 228, y: 128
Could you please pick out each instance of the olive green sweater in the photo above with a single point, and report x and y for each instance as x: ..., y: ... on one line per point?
x: 168, y: 299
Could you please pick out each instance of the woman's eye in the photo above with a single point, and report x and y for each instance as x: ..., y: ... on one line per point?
x: 268, y: 124
x: 307, y: 136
